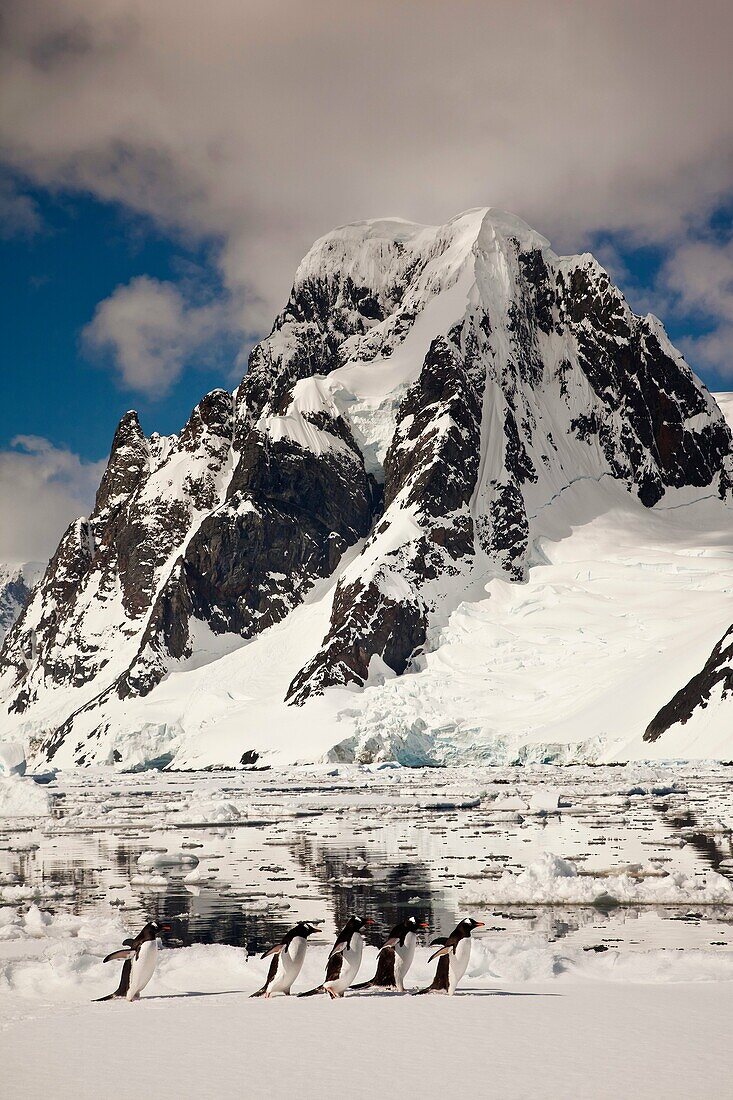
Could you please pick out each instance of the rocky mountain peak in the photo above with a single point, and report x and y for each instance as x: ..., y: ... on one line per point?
x: 425, y: 396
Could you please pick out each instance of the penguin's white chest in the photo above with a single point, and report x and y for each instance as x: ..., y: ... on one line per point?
x: 350, y: 963
x: 403, y: 956
x: 290, y: 962
x: 459, y: 960
x: 143, y: 968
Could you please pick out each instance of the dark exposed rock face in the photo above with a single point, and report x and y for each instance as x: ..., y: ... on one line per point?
x: 430, y: 473
x: 716, y: 676
x: 128, y: 462
x: 427, y: 391
x: 108, y: 567
x: 287, y: 519
x: 365, y: 622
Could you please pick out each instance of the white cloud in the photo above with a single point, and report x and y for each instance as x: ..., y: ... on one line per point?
x: 699, y: 274
x: 42, y: 489
x: 696, y: 283
x: 713, y: 350
x: 150, y: 332
x: 263, y: 125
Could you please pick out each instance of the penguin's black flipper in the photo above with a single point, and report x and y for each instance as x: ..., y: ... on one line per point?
x: 385, y: 976
x: 333, y: 967
x: 440, y: 981
x: 441, y: 951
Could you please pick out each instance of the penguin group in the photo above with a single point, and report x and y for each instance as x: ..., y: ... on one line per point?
x: 394, y: 960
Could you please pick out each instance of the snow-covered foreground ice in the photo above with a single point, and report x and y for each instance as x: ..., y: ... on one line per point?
x: 605, y: 967
x: 556, y: 1040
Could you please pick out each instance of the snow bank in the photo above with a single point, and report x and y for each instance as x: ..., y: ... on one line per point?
x: 23, y: 798
x: 555, y: 881
x: 63, y: 962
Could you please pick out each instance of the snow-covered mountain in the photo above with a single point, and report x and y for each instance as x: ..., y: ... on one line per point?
x: 446, y: 515
x: 16, y: 584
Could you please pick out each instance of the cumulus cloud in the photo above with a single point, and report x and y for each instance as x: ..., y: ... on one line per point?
x: 150, y: 332
x: 713, y: 350
x: 696, y: 282
x: 262, y: 125
x: 42, y: 489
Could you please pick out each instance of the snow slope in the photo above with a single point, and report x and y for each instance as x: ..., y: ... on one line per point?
x: 458, y: 509
x: 556, y: 668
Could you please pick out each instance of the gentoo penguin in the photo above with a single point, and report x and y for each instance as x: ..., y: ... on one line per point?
x: 395, y: 956
x: 452, y: 955
x: 140, y: 955
x: 287, y: 960
x: 345, y: 959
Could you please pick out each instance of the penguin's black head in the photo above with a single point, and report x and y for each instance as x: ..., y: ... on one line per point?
x: 469, y: 924
x: 156, y: 928
x: 305, y: 928
x: 413, y: 923
x: 360, y: 923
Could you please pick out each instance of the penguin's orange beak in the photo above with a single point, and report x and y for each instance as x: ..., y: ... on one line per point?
x: 165, y: 928
x: 368, y: 921
x: 480, y: 924
x: 424, y: 924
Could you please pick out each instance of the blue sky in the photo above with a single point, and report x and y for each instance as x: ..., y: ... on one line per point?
x: 51, y: 281
x: 82, y: 250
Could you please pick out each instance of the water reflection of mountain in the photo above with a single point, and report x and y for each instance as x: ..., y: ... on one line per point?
x: 368, y: 882
x: 204, y: 915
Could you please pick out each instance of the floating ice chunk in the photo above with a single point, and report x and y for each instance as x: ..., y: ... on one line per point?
x: 148, y: 879
x: 212, y: 811
x: 545, y: 802
x: 149, y: 861
x: 198, y: 875
x: 22, y: 798
x: 510, y: 802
